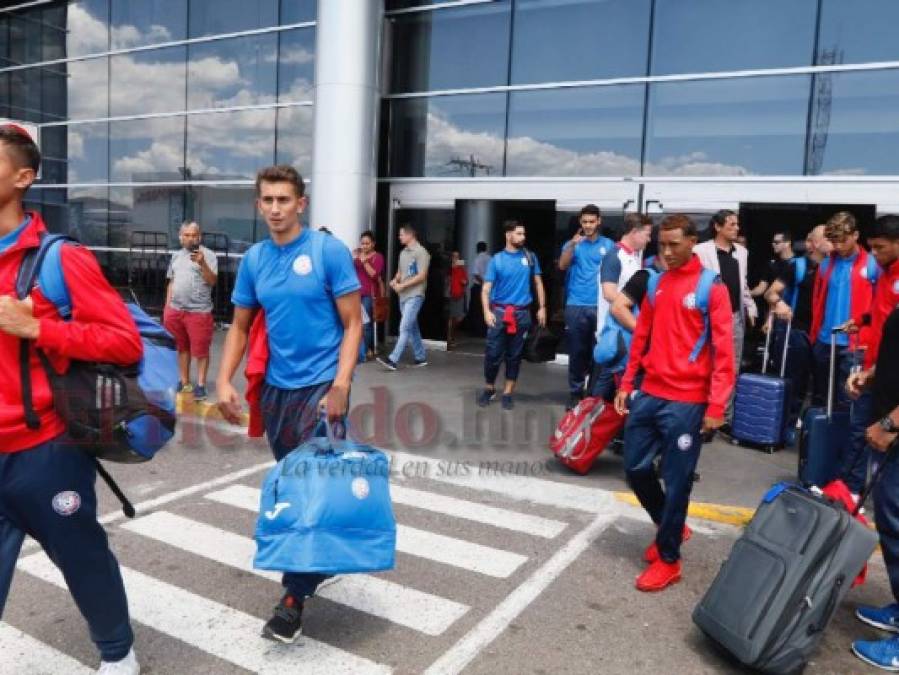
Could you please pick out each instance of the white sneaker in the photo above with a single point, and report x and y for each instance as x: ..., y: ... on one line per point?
x: 127, y: 666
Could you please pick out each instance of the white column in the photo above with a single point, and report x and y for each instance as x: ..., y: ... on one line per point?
x: 347, y: 96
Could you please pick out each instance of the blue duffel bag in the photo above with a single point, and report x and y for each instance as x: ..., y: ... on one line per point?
x: 326, y: 508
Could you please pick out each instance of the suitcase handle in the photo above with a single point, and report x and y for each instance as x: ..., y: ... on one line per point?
x: 833, y: 368
x: 783, y: 357
x: 831, y: 605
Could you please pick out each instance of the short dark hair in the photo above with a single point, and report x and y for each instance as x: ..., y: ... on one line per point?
x: 369, y: 234
x: 590, y: 210
x: 679, y: 221
x: 410, y: 229
x: 719, y: 218
x: 510, y: 225
x: 785, y: 233
x: 481, y: 247
x: 21, y: 147
x: 634, y: 221
x: 886, y: 227
x: 281, y: 173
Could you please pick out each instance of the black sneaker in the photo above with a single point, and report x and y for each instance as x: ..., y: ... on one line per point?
x: 387, y: 363
x: 419, y: 364
x: 508, y: 402
x: 286, y: 622
x: 485, y: 397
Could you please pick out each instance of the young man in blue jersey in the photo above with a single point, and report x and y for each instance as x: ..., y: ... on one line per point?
x: 506, y: 299
x: 581, y: 258
x: 306, y: 284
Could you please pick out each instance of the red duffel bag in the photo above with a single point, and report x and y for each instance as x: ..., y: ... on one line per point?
x: 584, y: 432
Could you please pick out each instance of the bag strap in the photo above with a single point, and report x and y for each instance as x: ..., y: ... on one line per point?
x: 703, y: 292
x: 54, y: 289
x: 653, y: 286
x: 318, y: 258
x: 800, y: 267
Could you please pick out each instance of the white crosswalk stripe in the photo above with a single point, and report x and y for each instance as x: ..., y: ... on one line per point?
x: 412, y: 541
x: 21, y: 653
x: 422, y: 612
x: 216, y: 629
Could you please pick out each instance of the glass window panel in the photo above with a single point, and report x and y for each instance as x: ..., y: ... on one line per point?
x: 53, y: 34
x: 855, y: 128
x: 451, y: 48
x: 295, y: 138
x: 405, y: 4
x: 147, y: 150
x: 73, y: 90
x: 859, y: 31
x: 734, y: 127
x: 82, y: 212
x: 696, y: 36
x: 230, y: 145
x: 602, y: 38
x: 26, y: 93
x: 229, y: 210
x: 448, y: 135
x: 74, y: 154
x: 136, y: 23
x: 213, y: 17
x: 296, y: 65
x: 595, y: 131
x: 87, y: 27
x: 146, y: 209
x: 148, y: 82
x: 235, y: 72
x: 297, y: 11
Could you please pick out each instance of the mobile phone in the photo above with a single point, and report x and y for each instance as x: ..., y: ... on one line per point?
x: 193, y: 248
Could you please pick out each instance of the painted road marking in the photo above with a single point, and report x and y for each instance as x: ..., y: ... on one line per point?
x: 494, y: 624
x: 216, y: 629
x: 422, y: 612
x: 420, y: 543
x: 719, y: 513
x: 22, y: 653
x: 479, y: 513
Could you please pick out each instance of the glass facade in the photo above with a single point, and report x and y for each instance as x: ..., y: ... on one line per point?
x: 154, y: 111
x: 642, y: 88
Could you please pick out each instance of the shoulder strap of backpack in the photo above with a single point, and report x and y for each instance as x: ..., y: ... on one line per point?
x: 653, y: 286
x: 871, y: 268
x: 318, y: 258
x: 800, y: 267
x: 703, y: 293
x: 54, y: 289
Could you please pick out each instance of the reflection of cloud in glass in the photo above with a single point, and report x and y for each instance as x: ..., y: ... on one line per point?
x: 447, y: 141
x: 295, y: 137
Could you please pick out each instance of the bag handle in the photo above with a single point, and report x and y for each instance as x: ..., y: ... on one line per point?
x: 783, y: 356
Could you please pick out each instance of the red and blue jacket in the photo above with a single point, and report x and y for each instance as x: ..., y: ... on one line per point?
x: 100, y: 329
x: 861, y: 293
x: 886, y: 299
x: 666, y: 334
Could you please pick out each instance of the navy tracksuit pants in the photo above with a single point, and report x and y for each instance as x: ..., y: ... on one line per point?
x: 47, y: 492
x: 291, y: 417
x: 580, y: 329
x: 501, y: 346
x: 886, y: 515
x: 671, y: 429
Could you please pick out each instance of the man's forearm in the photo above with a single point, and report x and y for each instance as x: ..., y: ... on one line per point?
x: 232, y: 353
x: 349, y: 353
x: 565, y: 258
x: 541, y: 293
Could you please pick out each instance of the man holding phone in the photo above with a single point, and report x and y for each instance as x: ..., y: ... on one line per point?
x: 188, y: 306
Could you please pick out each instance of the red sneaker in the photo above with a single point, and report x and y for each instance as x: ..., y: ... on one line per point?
x: 659, y: 575
x: 651, y: 554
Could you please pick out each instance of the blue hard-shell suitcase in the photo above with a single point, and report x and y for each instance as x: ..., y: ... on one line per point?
x: 761, y: 403
x: 824, y: 435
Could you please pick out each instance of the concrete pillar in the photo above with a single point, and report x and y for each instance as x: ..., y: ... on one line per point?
x: 476, y: 221
x: 347, y: 96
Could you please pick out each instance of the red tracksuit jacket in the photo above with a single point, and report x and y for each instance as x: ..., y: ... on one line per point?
x: 860, y: 295
x: 886, y: 299
x: 666, y: 334
x: 101, y: 329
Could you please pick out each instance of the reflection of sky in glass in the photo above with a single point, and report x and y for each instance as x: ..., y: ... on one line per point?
x: 863, y: 134
x: 88, y: 153
x: 147, y: 150
x: 858, y: 31
x: 230, y: 144
x: 728, y: 127
x: 297, y: 11
x: 451, y: 48
x: 576, y: 132
x: 87, y: 27
x: 88, y: 88
x: 296, y: 65
x: 695, y: 36
x: 136, y: 23
x: 147, y: 82
x: 558, y: 40
x: 212, y: 17
x: 295, y: 138
x: 449, y: 136
x: 235, y: 72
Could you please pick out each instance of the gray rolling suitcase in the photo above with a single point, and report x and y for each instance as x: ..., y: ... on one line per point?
x: 777, y: 591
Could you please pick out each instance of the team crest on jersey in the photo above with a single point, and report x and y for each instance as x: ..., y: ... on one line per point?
x: 302, y: 265
x: 360, y: 488
x: 896, y: 287
x: 602, y: 250
x: 685, y: 442
x: 525, y: 262
x: 66, y: 503
x: 690, y: 301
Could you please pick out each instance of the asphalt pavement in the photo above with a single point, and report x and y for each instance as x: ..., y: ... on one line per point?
x: 507, y: 563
